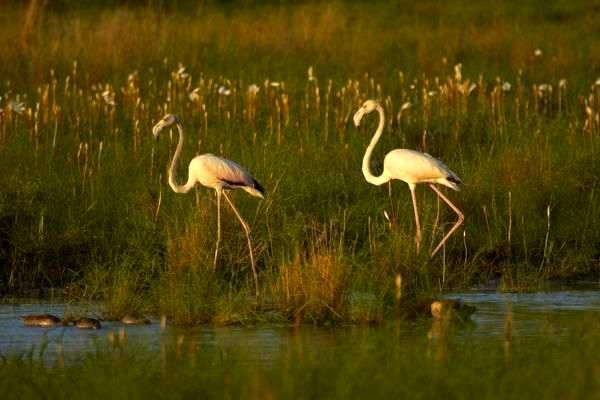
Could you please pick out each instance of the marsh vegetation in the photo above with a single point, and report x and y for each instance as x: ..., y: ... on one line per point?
x: 509, y: 99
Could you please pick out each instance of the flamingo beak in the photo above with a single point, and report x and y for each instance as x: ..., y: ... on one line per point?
x: 358, y: 116
x: 157, y: 128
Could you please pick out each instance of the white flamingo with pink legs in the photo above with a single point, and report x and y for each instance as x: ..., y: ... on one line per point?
x: 412, y: 167
x: 217, y: 173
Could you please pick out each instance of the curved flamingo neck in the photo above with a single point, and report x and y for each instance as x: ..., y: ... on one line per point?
x: 366, y: 164
x: 173, y: 169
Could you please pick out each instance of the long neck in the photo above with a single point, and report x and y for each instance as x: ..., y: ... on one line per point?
x: 366, y: 164
x: 173, y: 169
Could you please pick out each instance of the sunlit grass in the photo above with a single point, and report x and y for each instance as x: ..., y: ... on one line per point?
x: 84, y: 200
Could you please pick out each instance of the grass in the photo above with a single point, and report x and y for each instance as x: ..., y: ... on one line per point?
x: 559, y: 361
x: 84, y: 202
x: 316, y: 285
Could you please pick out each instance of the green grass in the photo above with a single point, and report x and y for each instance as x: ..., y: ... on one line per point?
x: 381, y: 362
x: 84, y: 202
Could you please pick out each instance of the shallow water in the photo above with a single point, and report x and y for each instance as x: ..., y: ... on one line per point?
x: 533, y: 314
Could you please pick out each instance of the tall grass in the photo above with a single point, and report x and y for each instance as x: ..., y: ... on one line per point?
x: 84, y: 199
x: 315, y: 284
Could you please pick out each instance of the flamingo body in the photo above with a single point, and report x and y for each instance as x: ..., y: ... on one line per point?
x: 217, y: 173
x: 410, y: 166
x: 415, y: 167
x: 220, y: 173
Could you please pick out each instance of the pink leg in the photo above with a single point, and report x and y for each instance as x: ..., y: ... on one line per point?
x: 247, y: 231
x: 218, y: 229
x: 461, y: 218
x: 392, y: 208
x: 414, y: 200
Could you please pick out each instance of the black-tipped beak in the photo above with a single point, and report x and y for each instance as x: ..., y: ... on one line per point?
x: 157, y: 128
x: 357, y: 117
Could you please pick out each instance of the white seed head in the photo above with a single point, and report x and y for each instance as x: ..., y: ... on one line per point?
x: 458, y: 72
x: 544, y: 89
x: 538, y: 52
x: 253, y: 89
x: 406, y: 106
x: 194, y: 95
x: 109, y: 97
x: 224, y: 91
x: 181, y: 74
x: 506, y: 86
x: 17, y: 106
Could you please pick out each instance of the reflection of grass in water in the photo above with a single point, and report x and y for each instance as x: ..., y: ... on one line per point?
x: 370, y: 363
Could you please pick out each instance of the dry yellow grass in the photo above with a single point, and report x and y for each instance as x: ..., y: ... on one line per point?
x: 315, y: 285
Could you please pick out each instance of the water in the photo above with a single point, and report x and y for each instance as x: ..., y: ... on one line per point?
x: 517, y: 346
x: 533, y: 314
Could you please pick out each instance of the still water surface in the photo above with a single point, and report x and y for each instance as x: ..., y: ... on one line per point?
x: 533, y: 314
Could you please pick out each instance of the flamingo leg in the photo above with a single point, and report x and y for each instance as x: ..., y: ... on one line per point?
x: 417, y: 222
x: 461, y: 217
x: 392, y: 208
x: 247, y: 231
x: 218, y: 229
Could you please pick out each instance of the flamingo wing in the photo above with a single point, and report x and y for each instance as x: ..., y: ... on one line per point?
x: 214, y: 171
x: 415, y: 167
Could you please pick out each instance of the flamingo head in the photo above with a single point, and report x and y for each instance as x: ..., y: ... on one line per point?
x: 166, y: 122
x: 367, y: 107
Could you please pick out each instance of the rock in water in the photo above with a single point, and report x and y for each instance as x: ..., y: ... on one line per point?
x: 87, y: 323
x: 447, y: 308
x: 131, y: 320
x: 43, y: 320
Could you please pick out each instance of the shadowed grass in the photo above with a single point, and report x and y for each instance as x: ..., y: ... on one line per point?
x: 122, y: 287
x: 188, y: 296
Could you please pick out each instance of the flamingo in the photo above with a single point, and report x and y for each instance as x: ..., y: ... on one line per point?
x: 412, y: 167
x: 217, y: 173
